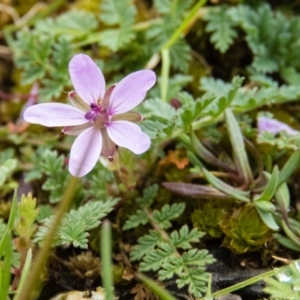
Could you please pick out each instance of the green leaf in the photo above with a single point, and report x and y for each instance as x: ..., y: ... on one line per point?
x: 170, y: 268
x: 271, y: 35
x: 225, y: 188
x: 163, y: 6
x: 167, y: 213
x: 115, y: 39
x: 148, y: 196
x: 140, y: 218
x: 78, y: 21
x: 158, y: 110
x: 93, y: 211
x: 76, y: 223
x: 286, y: 242
x: 114, y: 12
x: 214, y: 86
x: 97, y: 189
x: 238, y: 145
x: 121, y: 13
x: 280, y: 290
x: 174, y: 8
x: 157, y: 257
x: 183, y: 238
x: 32, y: 59
x: 73, y: 233
x: 289, y: 167
x: 6, y: 169
x: 196, y: 257
x: 52, y: 165
x: 223, y: 97
x: 221, y: 26
x: 180, y: 55
x: 204, y: 153
x: 70, y: 25
x: 26, y: 216
x: 265, y: 206
x: 195, y: 279
x: 52, y: 89
x: 271, y: 186
x: 282, y: 197
x: 291, y: 234
x: 268, y: 219
x: 145, y: 245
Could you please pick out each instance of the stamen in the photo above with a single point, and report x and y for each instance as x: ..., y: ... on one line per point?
x: 94, y: 106
x: 90, y: 115
x: 97, y: 114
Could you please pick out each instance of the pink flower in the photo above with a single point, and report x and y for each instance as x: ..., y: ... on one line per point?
x: 100, y: 118
x: 274, y: 126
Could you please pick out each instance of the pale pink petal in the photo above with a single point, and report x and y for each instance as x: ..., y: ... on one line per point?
x: 274, y: 126
x: 85, y: 152
x: 131, y: 91
x: 87, y: 78
x: 128, y: 135
x: 54, y: 114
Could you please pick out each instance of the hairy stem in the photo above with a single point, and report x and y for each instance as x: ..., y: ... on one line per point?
x: 33, y: 281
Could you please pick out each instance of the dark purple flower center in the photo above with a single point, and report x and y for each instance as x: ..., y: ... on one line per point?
x: 97, y: 114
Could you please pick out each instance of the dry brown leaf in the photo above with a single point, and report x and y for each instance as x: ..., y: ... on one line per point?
x: 142, y: 293
x: 177, y: 158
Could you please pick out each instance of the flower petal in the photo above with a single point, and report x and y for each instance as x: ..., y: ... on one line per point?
x: 54, y: 114
x: 128, y: 135
x: 274, y: 126
x: 131, y: 91
x: 85, y: 152
x: 87, y: 78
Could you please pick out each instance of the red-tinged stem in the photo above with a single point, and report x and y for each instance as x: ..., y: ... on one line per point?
x: 16, y: 96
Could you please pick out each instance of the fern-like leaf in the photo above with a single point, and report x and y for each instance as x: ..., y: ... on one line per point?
x: 183, y: 238
x: 76, y: 224
x: 168, y: 213
x: 146, y: 244
x: 121, y: 14
x: 196, y: 280
x: 148, y: 196
x: 155, y: 259
x: 140, y: 218
x: 221, y: 26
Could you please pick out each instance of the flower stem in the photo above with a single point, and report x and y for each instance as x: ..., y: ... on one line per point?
x: 184, y: 25
x: 165, y: 50
x: 33, y: 282
x: 155, y: 287
x: 165, y: 74
x: 107, y: 269
x: 243, y: 284
x: 40, y: 15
